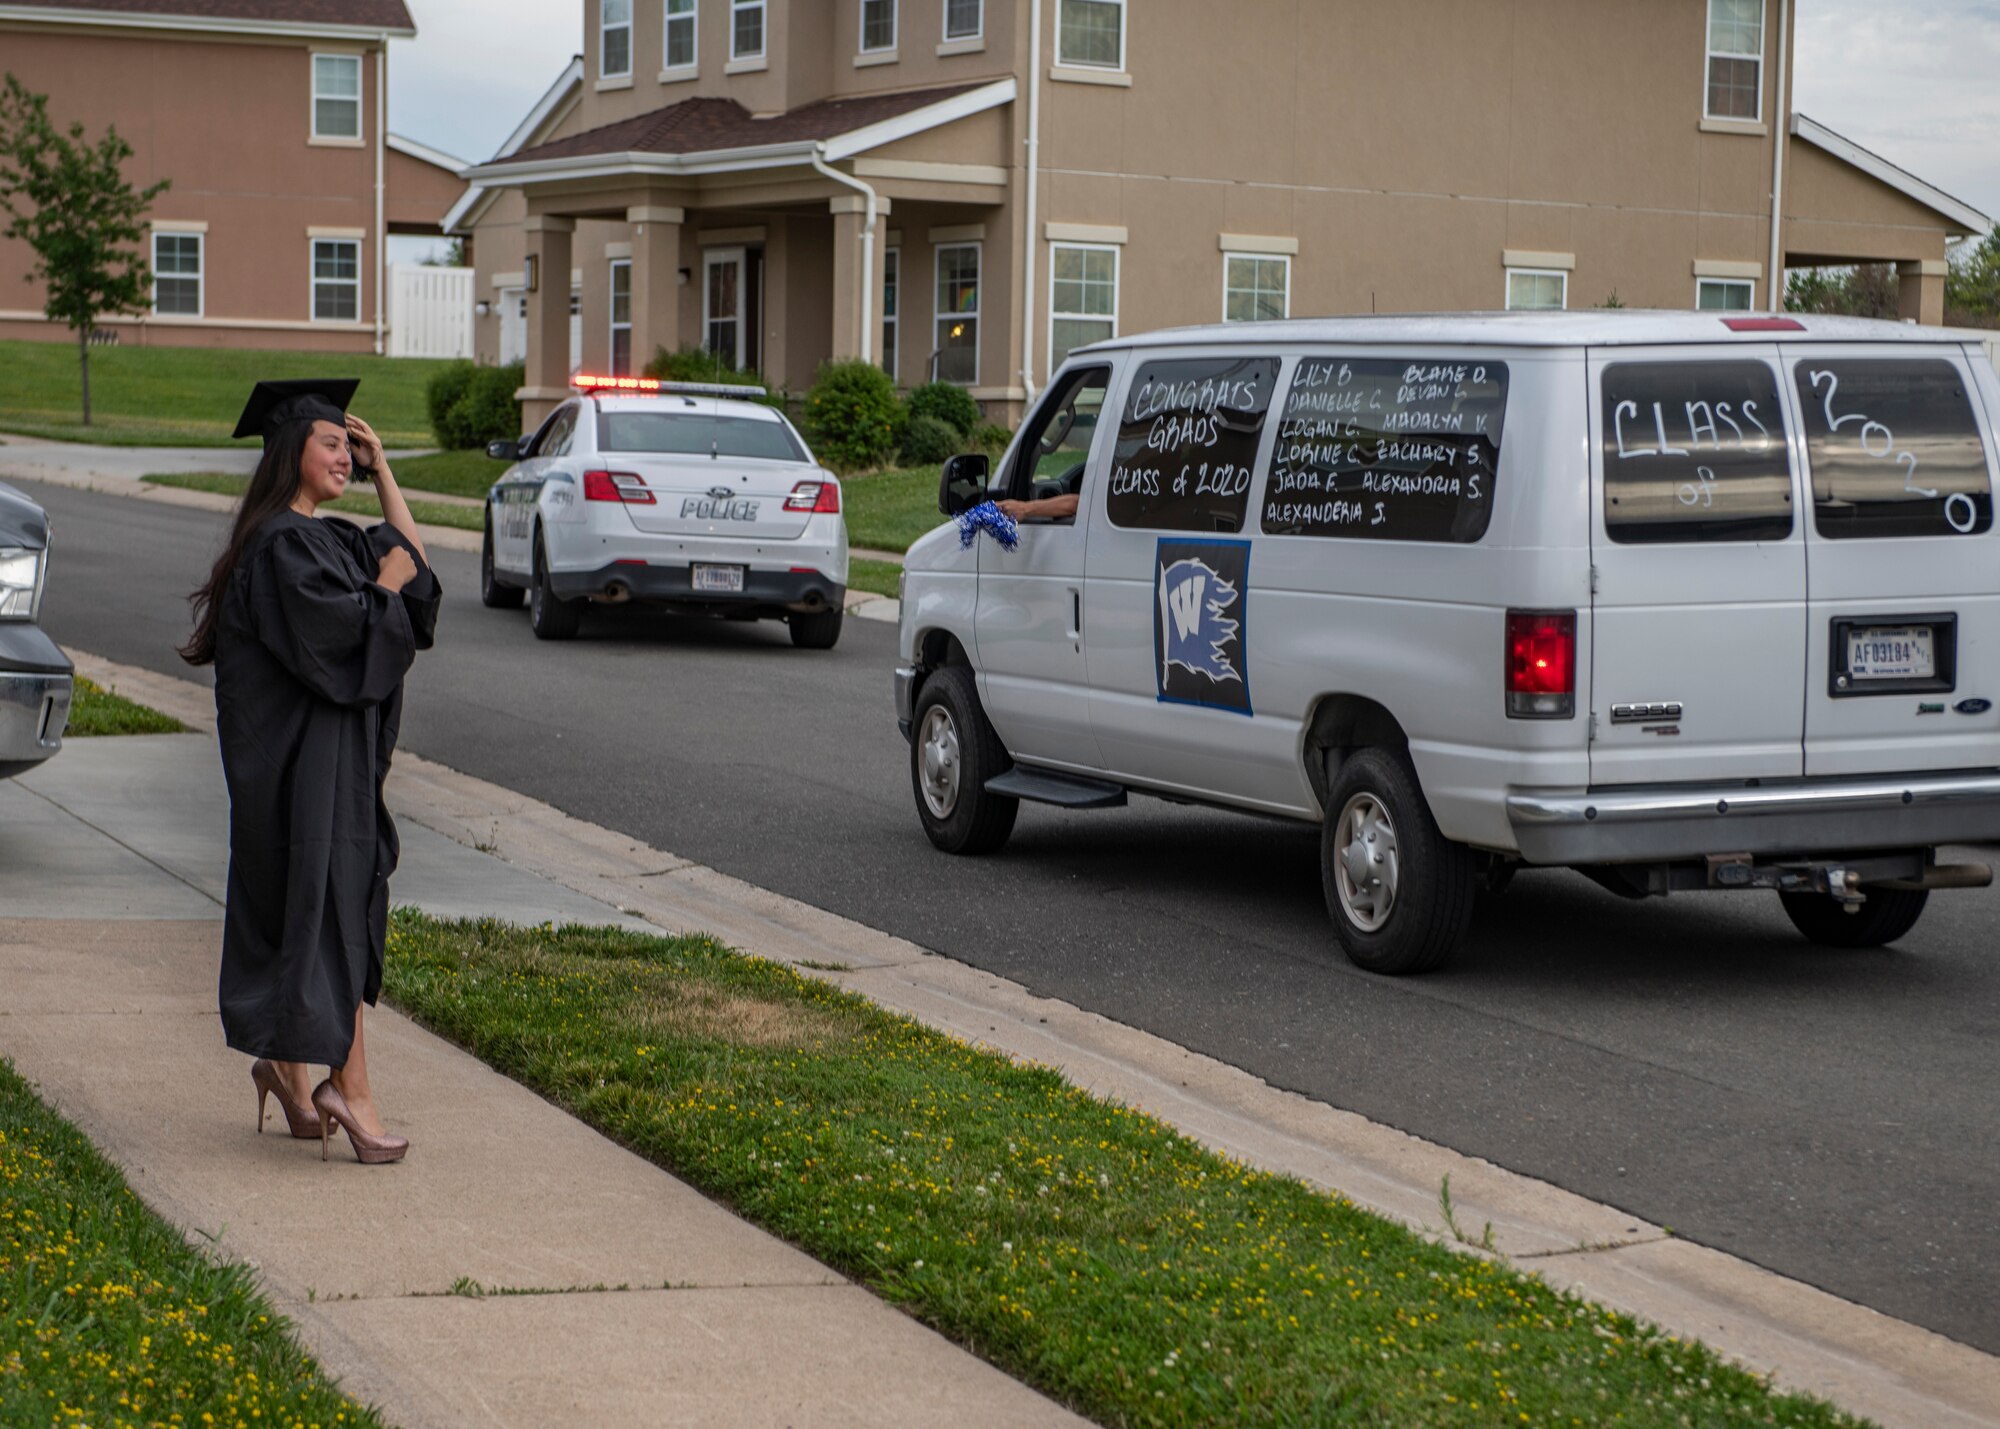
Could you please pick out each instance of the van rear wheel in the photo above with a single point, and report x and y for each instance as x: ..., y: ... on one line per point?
x: 953, y: 752
x: 1400, y: 892
x: 1886, y: 916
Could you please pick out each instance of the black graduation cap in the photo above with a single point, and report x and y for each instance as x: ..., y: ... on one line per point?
x: 298, y: 399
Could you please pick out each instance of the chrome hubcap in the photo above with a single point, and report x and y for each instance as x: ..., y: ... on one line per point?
x: 1365, y: 866
x: 938, y: 762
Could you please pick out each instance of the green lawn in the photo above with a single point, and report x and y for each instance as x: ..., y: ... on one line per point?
x: 189, y: 397
x: 360, y: 499
x: 887, y: 510
x: 881, y: 577
x: 108, y: 1317
x: 95, y: 710
x: 462, y: 473
x: 1088, y: 1249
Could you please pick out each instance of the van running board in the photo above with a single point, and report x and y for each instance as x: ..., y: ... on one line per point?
x: 1064, y: 790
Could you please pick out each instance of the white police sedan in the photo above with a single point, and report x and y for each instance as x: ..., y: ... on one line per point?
x: 676, y: 494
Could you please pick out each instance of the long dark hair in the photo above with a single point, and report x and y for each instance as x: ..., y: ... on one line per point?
x: 272, y: 490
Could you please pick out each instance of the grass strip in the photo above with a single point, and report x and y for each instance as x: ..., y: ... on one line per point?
x: 95, y: 710
x: 881, y: 577
x: 1086, y: 1248
x: 108, y: 1317
x: 360, y: 500
x: 887, y: 510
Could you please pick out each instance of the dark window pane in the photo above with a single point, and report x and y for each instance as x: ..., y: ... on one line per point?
x: 177, y: 295
x: 1893, y: 447
x: 696, y: 434
x: 1694, y: 451
x: 1187, y: 441
x: 1732, y: 88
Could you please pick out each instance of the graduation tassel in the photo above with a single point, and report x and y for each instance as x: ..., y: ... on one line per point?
x: 993, y: 521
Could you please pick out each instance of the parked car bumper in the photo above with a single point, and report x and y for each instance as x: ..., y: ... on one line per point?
x: 36, y: 686
x: 672, y: 583
x: 906, y: 697
x: 1638, y: 825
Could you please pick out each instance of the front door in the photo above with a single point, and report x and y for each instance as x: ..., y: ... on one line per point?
x: 1698, y: 555
x: 724, y: 305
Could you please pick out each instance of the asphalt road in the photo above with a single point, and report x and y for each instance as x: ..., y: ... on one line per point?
x: 1690, y: 1060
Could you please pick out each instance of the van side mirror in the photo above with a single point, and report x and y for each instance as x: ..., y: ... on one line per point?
x: 962, y: 483
x: 504, y: 450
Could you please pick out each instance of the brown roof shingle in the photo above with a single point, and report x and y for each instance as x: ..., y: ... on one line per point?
x: 369, y: 14
x: 698, y: 125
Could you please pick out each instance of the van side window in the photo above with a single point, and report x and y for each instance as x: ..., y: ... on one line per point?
x: 1893, y: 447
x: 1694, y: 451
x: 1051, y: 457
x: 1387, y: 449
x: 1187, y: 441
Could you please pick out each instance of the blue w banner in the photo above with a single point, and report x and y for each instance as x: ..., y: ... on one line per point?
x: 1198, y: 623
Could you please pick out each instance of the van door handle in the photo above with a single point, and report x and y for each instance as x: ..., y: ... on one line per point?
x: 1075, y: 613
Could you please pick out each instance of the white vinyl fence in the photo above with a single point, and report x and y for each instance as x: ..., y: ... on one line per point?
x: 430, y: 311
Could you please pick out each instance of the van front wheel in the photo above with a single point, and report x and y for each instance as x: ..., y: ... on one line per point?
x: 953, y: 752
x: 1886, y: 916
x: 1400, y: 892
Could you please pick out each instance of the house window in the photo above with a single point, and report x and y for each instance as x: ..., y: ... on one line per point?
x: 892, y: 274
x: 680, y: 53
x: 1083, y: 298
x: 746, y: 29
x: 1735, y: 59
x: 177, y: 274
x: 621, y: 318
x: 1092, y: 33
x: 1255, y: 288
x: 614, y: 56
x: 964, y: 19
x: 1725, y: 295
x: 336, y: 274
x: 336, y: 96
x: 1529, y: 288
x: 878, y: 25
x: 957, y: 344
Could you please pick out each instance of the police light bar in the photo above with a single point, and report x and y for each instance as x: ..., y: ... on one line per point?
x: 654, y: 384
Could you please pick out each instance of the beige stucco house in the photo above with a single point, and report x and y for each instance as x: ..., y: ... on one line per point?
x: 270, y: 119
x: 971, y: 187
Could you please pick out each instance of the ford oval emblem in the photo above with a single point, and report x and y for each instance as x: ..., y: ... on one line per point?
x: 1973, y: 706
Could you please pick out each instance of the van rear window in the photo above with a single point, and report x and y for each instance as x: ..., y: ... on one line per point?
x: 1894, y: 448
x: 696, y: 434
x: 1694, y: 451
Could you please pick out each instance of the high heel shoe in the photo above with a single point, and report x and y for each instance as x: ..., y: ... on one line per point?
x: 303, y: 1121
x: 368, y: 1150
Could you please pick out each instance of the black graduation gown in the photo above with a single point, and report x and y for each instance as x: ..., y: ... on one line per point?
x: 309, y: 662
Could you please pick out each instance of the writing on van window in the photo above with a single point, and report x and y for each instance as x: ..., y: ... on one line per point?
x: 1393, y: 449
x: 1894, y: 448
x: 1694, y: 451
x: 1187, y: 442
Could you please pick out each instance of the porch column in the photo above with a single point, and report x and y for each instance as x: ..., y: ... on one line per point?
x: 857, y: 290
x: 1922, y: 290
x: 656, y: 293
x: 547, y: 382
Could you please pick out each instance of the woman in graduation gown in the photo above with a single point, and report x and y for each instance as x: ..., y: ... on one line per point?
x: 311, y: 624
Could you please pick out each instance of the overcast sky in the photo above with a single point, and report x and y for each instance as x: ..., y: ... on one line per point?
x: 1918, y: 84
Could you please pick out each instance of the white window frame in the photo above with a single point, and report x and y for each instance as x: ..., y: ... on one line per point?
x: 1067, y: 63
x: 1117, y: 277
x: 669, y: 19
x: 892, y: 323
x: 1281, y: 258
x: 1561, y: 275
x: 611, y: 315
x: 200, y: 271
x: 1749, y: 283
x: 358, y: 136
x: 861, y: 44
x: 978, y: 31
x: 737, y: 7
x: 1709, y: 55
x: 938, y: 319
x: 604, y: 29
x: 712, y: 258
x: 315, y: 282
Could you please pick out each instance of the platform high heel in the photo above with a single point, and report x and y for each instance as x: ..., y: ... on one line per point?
x: 303, y: 1120
x: 368, y: 1150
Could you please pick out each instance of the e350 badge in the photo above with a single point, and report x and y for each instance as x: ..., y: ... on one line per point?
x: 1200, y: 619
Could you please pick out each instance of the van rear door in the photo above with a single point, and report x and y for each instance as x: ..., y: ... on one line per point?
x: 1698, y: 620
x: 1903, y: 614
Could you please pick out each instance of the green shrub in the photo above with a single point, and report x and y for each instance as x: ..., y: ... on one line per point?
x: 948, y: 402
x: 441, y: 394
x: 991, y: 437
x: 852, y: 415
x: 486, y: 410
x: 929, y: 440
x: 696, y: 364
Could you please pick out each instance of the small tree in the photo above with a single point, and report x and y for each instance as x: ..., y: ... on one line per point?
x: 80, y: 216
x: 1972, y: 284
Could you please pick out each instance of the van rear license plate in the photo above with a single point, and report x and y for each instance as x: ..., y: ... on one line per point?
x: 726, y: 579
x: 1891, y: 652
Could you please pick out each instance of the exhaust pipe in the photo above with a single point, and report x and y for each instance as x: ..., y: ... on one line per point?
x: 616, y: 593
x: 1948, y: 875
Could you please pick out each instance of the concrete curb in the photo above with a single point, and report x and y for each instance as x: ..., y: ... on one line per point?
x: 1869, y: 1363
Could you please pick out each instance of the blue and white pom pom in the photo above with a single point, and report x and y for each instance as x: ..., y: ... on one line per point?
x: 993, y: 521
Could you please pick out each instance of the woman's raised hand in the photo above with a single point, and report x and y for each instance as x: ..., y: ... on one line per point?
x: 397, y: 571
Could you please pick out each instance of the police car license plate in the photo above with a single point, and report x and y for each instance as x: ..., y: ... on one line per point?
x: 1899, y: 652
x: 726, y: 579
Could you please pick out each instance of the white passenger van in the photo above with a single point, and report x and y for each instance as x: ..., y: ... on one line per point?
x: 1679, y: 600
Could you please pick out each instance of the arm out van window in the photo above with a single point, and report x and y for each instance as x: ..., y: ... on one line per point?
x: 1694, y: 451
x: 1893, y: 447
x: 1050, y: 460
x: 1187, y: 442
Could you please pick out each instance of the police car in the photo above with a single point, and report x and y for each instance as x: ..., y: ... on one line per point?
x: 681, y: 495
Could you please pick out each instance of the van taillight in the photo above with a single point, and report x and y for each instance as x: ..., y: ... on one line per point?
x: 616, y: 486
x: 1541, y: 664
x: 819, y: 497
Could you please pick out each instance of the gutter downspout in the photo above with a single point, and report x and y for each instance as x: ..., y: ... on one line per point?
x: 1028, y: 244
x: 870, y: 198
x: 381, y: 186
x: 1781, y: 130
